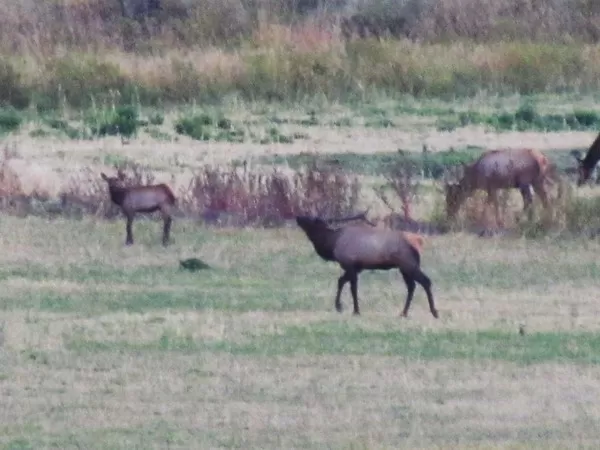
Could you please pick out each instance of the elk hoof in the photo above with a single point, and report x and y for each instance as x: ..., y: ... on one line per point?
x: 356, y: 313
x: 435, y: 314
x: 339, y: 308
x: 128, y: 243
x: 404, y: 314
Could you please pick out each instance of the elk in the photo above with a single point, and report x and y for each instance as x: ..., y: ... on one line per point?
x: 503, y: 169
x: 586, y: 165
x: 141, y: 199
x: 360, y: 247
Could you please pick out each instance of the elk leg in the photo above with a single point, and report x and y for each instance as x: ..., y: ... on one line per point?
x: 492, y: 197
x: 410, y: 286
x: 354, y: 289
x: 527, y: 199
x: 540, y: 190
x: 167, y: 220
x: 341, y: 282
x: 128, y: 226
x: 424, y: 281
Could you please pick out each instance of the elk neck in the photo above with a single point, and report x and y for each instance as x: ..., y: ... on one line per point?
x: 117, y: 194
x: 324, y: 241
x: 593, y: 154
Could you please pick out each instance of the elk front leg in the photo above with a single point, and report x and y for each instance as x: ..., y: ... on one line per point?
x: 128, y: 227
x: 540, y: 191
x: 167, y: 220
x: 527, y: 200
x: 492, y: 197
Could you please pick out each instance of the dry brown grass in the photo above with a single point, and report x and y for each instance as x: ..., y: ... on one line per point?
x: 112, y: 396
x: 113, y: 347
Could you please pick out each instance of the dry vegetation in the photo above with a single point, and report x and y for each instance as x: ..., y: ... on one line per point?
x: 212, y: 49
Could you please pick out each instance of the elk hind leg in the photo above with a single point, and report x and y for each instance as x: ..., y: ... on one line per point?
x: 354, y: 290
x: 410, y: 287
x: 424, y: 281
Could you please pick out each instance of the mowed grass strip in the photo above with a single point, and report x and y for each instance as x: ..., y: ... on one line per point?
x: 339, y: 338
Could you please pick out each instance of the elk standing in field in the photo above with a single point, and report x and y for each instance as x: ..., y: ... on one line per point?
x: 359, y: 247
x: 503, y: 169
x: 586, y: 165
x: 141, y: 199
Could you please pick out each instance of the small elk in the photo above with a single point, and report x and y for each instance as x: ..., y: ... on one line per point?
x: 141, y: 199
x: 364, y: 247
x: 503, y: 169
x: 586, y: 165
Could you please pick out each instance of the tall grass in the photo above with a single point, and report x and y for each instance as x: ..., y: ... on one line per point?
x: 286, y: 71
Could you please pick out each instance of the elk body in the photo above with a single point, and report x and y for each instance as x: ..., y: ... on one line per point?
x: 141, y: 199
x: 586, y: 165
x: 359, y: 247
x: 522, y: 169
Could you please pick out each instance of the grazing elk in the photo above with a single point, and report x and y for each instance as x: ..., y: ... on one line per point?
x: 360, y: 247
x: 586, y: 165
x: 503, y: 169
x: 141, y: 199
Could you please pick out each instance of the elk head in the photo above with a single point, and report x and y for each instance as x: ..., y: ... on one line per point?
x: 118, y: 181
x: 454, y: 189
x: 583, y: 172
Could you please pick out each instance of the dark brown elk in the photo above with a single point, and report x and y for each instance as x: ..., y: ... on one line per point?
x: 141, y: 199
x: 586, y: 165
x: 503, y: 169
x: 360, y: 247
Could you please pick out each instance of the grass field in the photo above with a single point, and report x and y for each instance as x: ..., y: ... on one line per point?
x: 105, y: 346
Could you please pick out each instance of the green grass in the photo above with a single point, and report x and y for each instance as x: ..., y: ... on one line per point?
x: 343, y: 338
x: 106, y: 346
x: 432, y: 165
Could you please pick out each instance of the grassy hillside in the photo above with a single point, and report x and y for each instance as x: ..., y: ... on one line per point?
x: 80, y: 53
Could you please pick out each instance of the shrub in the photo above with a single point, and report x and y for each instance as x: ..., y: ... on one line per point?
x: 12, y: 90
x: 122, y: 120
x: 204, y: 127
x: 235, y: 196
x: 10, y: 120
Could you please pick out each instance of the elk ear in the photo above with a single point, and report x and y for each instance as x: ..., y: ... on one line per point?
x: 104, y: 177
x: 121, y: 175
x: 576, y: 154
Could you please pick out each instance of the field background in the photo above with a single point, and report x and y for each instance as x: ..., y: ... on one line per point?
x: 106, y: 346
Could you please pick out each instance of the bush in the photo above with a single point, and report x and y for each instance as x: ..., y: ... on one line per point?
x: 236, y: 197
x: 10, y: 120
x: 12, y: 90
x: 204, y: 127
x: 123, y: 121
